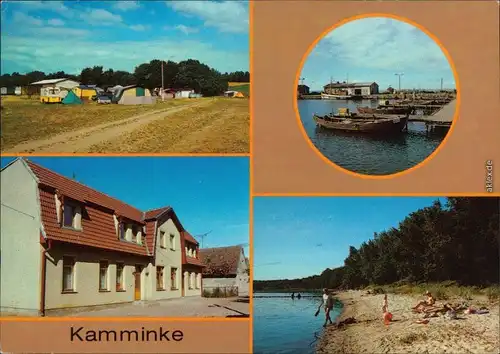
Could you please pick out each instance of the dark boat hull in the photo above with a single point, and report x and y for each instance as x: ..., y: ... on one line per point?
x: 394, y: 125
x: 395, y: 110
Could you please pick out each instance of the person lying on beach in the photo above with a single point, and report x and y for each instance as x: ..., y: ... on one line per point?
x: 430, y: 301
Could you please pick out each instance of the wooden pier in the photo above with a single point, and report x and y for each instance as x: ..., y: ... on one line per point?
x: 440, y: 119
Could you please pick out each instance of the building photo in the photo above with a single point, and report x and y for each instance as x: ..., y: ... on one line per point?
x: 78, y: 238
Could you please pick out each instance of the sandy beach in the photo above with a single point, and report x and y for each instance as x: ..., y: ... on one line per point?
x: 473, y: 333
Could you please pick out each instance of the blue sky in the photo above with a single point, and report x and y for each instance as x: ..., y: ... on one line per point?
x: 53, y: 36
x: 296, y: 237
x: 375, y: 49
x: 207, y: 193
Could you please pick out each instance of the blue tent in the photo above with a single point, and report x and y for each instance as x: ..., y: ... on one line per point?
x: 71, y: 98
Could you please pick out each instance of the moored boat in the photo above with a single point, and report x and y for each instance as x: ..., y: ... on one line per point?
x: 376, y: 124
x: 389, y: 110
x: 326, y: 96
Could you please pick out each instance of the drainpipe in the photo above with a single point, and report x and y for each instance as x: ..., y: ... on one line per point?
x: 43, y: 277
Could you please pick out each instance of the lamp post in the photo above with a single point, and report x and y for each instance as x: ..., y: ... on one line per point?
x: 399, y: 80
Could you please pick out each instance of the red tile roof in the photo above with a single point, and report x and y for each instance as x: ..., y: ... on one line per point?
x: 82, y: 193
x: 154, y: 213
x: 98, y: 228
x: 194, y: 261
x: 189, y: 238
x: 221, y: 261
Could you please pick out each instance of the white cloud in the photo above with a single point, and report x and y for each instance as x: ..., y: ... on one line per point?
x: 182, y: 28
x: 21, y: 18
x: 101, y: 17
x: 381, y: 43
x: 55, y: 22
x: 55, y: 6
x: 123, y: 55
x: 227, y: 16
x: 139, y: 28
x: 126, y: 5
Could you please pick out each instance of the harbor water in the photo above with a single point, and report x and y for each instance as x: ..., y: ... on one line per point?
x: 363, y: 153
x: 283, y: 325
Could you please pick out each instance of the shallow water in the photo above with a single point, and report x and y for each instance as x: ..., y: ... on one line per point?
x: 366, y: 154
x: 286, y: 326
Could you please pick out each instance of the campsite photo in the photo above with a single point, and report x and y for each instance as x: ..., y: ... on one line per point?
x: 376, y: 275
x: 125, y: 77
x: 77, y: 241
x: 376, y: 95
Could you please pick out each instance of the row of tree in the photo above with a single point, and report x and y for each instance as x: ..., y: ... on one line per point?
x: 185, y: 74
x: 458, y: 241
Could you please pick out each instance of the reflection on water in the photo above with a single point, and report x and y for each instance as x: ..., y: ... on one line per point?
x: 285, y: 326
x: 363, y: 153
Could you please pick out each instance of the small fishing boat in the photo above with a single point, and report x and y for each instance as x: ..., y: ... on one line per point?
x: 363, y: 123
x: 389, y: 110
x: 326, y: 96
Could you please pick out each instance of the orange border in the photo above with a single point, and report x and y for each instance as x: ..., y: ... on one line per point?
x: 250, y: 248
x: 67, y: 154
x: 299, y: 72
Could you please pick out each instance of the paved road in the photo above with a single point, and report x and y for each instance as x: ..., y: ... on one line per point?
x: 180, y: 307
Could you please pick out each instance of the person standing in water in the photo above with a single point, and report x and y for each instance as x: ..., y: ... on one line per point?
x: 298, y: 296
x: 328, y: 306
x: 293, y: 296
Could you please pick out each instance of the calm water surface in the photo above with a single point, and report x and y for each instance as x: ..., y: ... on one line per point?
x: 285, y: 326
x: 366, y: 154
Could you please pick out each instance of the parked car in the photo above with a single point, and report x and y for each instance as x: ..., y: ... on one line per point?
x: 103, y: 99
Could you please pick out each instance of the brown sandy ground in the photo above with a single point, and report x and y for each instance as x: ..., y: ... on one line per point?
x: 201, y: 125
x: 468, y: 334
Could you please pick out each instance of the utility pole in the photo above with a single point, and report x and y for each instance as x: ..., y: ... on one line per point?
x: 441, y: 84
x: 302, y: 81
x: 162, y: 88
x: 399, y: 80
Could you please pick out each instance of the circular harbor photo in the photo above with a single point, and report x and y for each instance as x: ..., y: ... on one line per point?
x: 377, y: 95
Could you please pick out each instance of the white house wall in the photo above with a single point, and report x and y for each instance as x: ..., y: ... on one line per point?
x: 243, y: 277
x: 197, y: 285
x: 86, y: 278
x: 167, y: 258
x: 20, y: 249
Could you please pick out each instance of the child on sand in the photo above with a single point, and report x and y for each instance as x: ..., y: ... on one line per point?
x: 386, y: 315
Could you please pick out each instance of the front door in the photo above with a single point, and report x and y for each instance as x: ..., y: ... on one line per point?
x: 137, y: 288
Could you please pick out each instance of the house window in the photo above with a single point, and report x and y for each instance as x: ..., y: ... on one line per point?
x: 191, y: 281
x: 103, y: 275
x: 68, y: 274
x: 120, y: 285
x: 172, y: 242
x: 122, y: 231
x: 198, y: 281
x: 160, y: 284
x: 162, y: 239
x: 173, y: 278
x: 71, y: 216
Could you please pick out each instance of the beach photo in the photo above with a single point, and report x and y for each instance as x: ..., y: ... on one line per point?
x: 125, y: 77
x: 376, y: 275
x: 124, y: 237
x: 376, y: 95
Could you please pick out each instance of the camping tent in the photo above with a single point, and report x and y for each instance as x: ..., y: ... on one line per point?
x: 71, y: 98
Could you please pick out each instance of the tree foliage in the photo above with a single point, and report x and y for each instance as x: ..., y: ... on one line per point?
x: 185, y: 74
x: 455, y: 242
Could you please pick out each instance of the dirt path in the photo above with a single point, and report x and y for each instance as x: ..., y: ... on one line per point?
x: 81, y: 140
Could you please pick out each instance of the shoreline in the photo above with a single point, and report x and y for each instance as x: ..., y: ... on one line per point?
x: 468, y: 334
